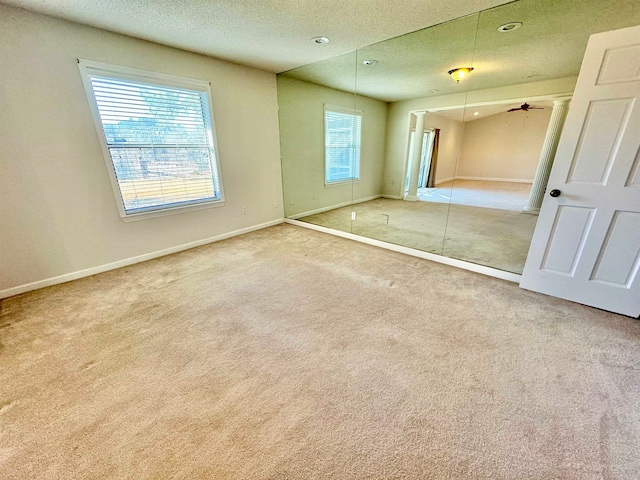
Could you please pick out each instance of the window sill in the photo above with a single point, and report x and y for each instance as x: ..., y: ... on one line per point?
x: 134, y: 217
x: 341, y: 182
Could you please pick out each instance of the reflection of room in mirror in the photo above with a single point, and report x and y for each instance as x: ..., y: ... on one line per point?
x: 456, y: 169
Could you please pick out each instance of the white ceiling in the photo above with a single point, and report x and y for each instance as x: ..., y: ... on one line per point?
x: 273, y: 35
x: 549, y: 45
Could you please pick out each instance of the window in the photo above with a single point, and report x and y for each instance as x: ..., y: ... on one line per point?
x: 342, y: 130
x: 158, y: 139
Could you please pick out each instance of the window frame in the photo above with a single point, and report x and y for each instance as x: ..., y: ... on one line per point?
x: 346, y: 111
x: 90, y: 67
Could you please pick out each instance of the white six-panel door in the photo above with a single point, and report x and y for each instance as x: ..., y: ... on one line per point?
x: 586, y: 246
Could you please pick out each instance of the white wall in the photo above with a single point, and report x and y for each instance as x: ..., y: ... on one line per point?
x: 506, y: 145
x: 302, y: 146
x: 57, y: 210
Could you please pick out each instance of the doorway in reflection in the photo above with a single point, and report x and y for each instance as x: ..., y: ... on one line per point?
x: 426, y: 160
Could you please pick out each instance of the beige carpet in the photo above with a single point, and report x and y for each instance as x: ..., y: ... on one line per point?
x: 291, y: 354
x: 493, y: 237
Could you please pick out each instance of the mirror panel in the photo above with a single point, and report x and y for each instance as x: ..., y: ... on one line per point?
x: 410, y: 73
x: 391, y: 75
x: 491, y: 217
x: 498, y: 158
x: 319, y: 141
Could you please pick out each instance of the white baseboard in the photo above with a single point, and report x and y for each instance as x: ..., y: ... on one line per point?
x: 333, y: 207
x: 67, y: 277
x: 445, y: 180
x: 492, y: 179
x: 473, y: 267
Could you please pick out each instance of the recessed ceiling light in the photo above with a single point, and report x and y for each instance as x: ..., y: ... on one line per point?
x: 370, y: 62
x: 509, y: 27
x: 475, y: 114
x: 320, y: 40
x: 434, y: 91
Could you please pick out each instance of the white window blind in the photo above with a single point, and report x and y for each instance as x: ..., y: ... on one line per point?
x: 342, y: 133
x: 160, y: 142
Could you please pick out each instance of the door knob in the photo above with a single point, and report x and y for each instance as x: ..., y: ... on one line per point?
x: 555, y: 193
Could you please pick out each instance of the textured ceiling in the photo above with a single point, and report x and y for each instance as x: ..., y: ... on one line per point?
x: 549, y: 45
x: 273, y: 35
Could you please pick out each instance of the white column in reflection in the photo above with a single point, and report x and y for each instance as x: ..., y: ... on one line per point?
x: 416, y: 153
x: 547, y: 155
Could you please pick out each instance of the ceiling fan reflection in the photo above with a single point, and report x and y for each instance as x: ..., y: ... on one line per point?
x: 525, y: 107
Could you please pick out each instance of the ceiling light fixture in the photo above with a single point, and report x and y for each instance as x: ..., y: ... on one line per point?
x: 475, y: 114
x: 509, y: 27
x: 459, y: 73
x: 370, y: 62
x: 320, y: 40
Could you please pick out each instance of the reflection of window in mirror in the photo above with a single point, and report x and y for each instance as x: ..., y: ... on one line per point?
x: 342, y: 132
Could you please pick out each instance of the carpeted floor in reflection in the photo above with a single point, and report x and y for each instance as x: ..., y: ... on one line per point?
x: 496, y: 238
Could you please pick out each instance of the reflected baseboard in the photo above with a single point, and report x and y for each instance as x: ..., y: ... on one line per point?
x: 332, y: 207
x: 494, y: 179
x: 473, y: 267
x: 445, y: 180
